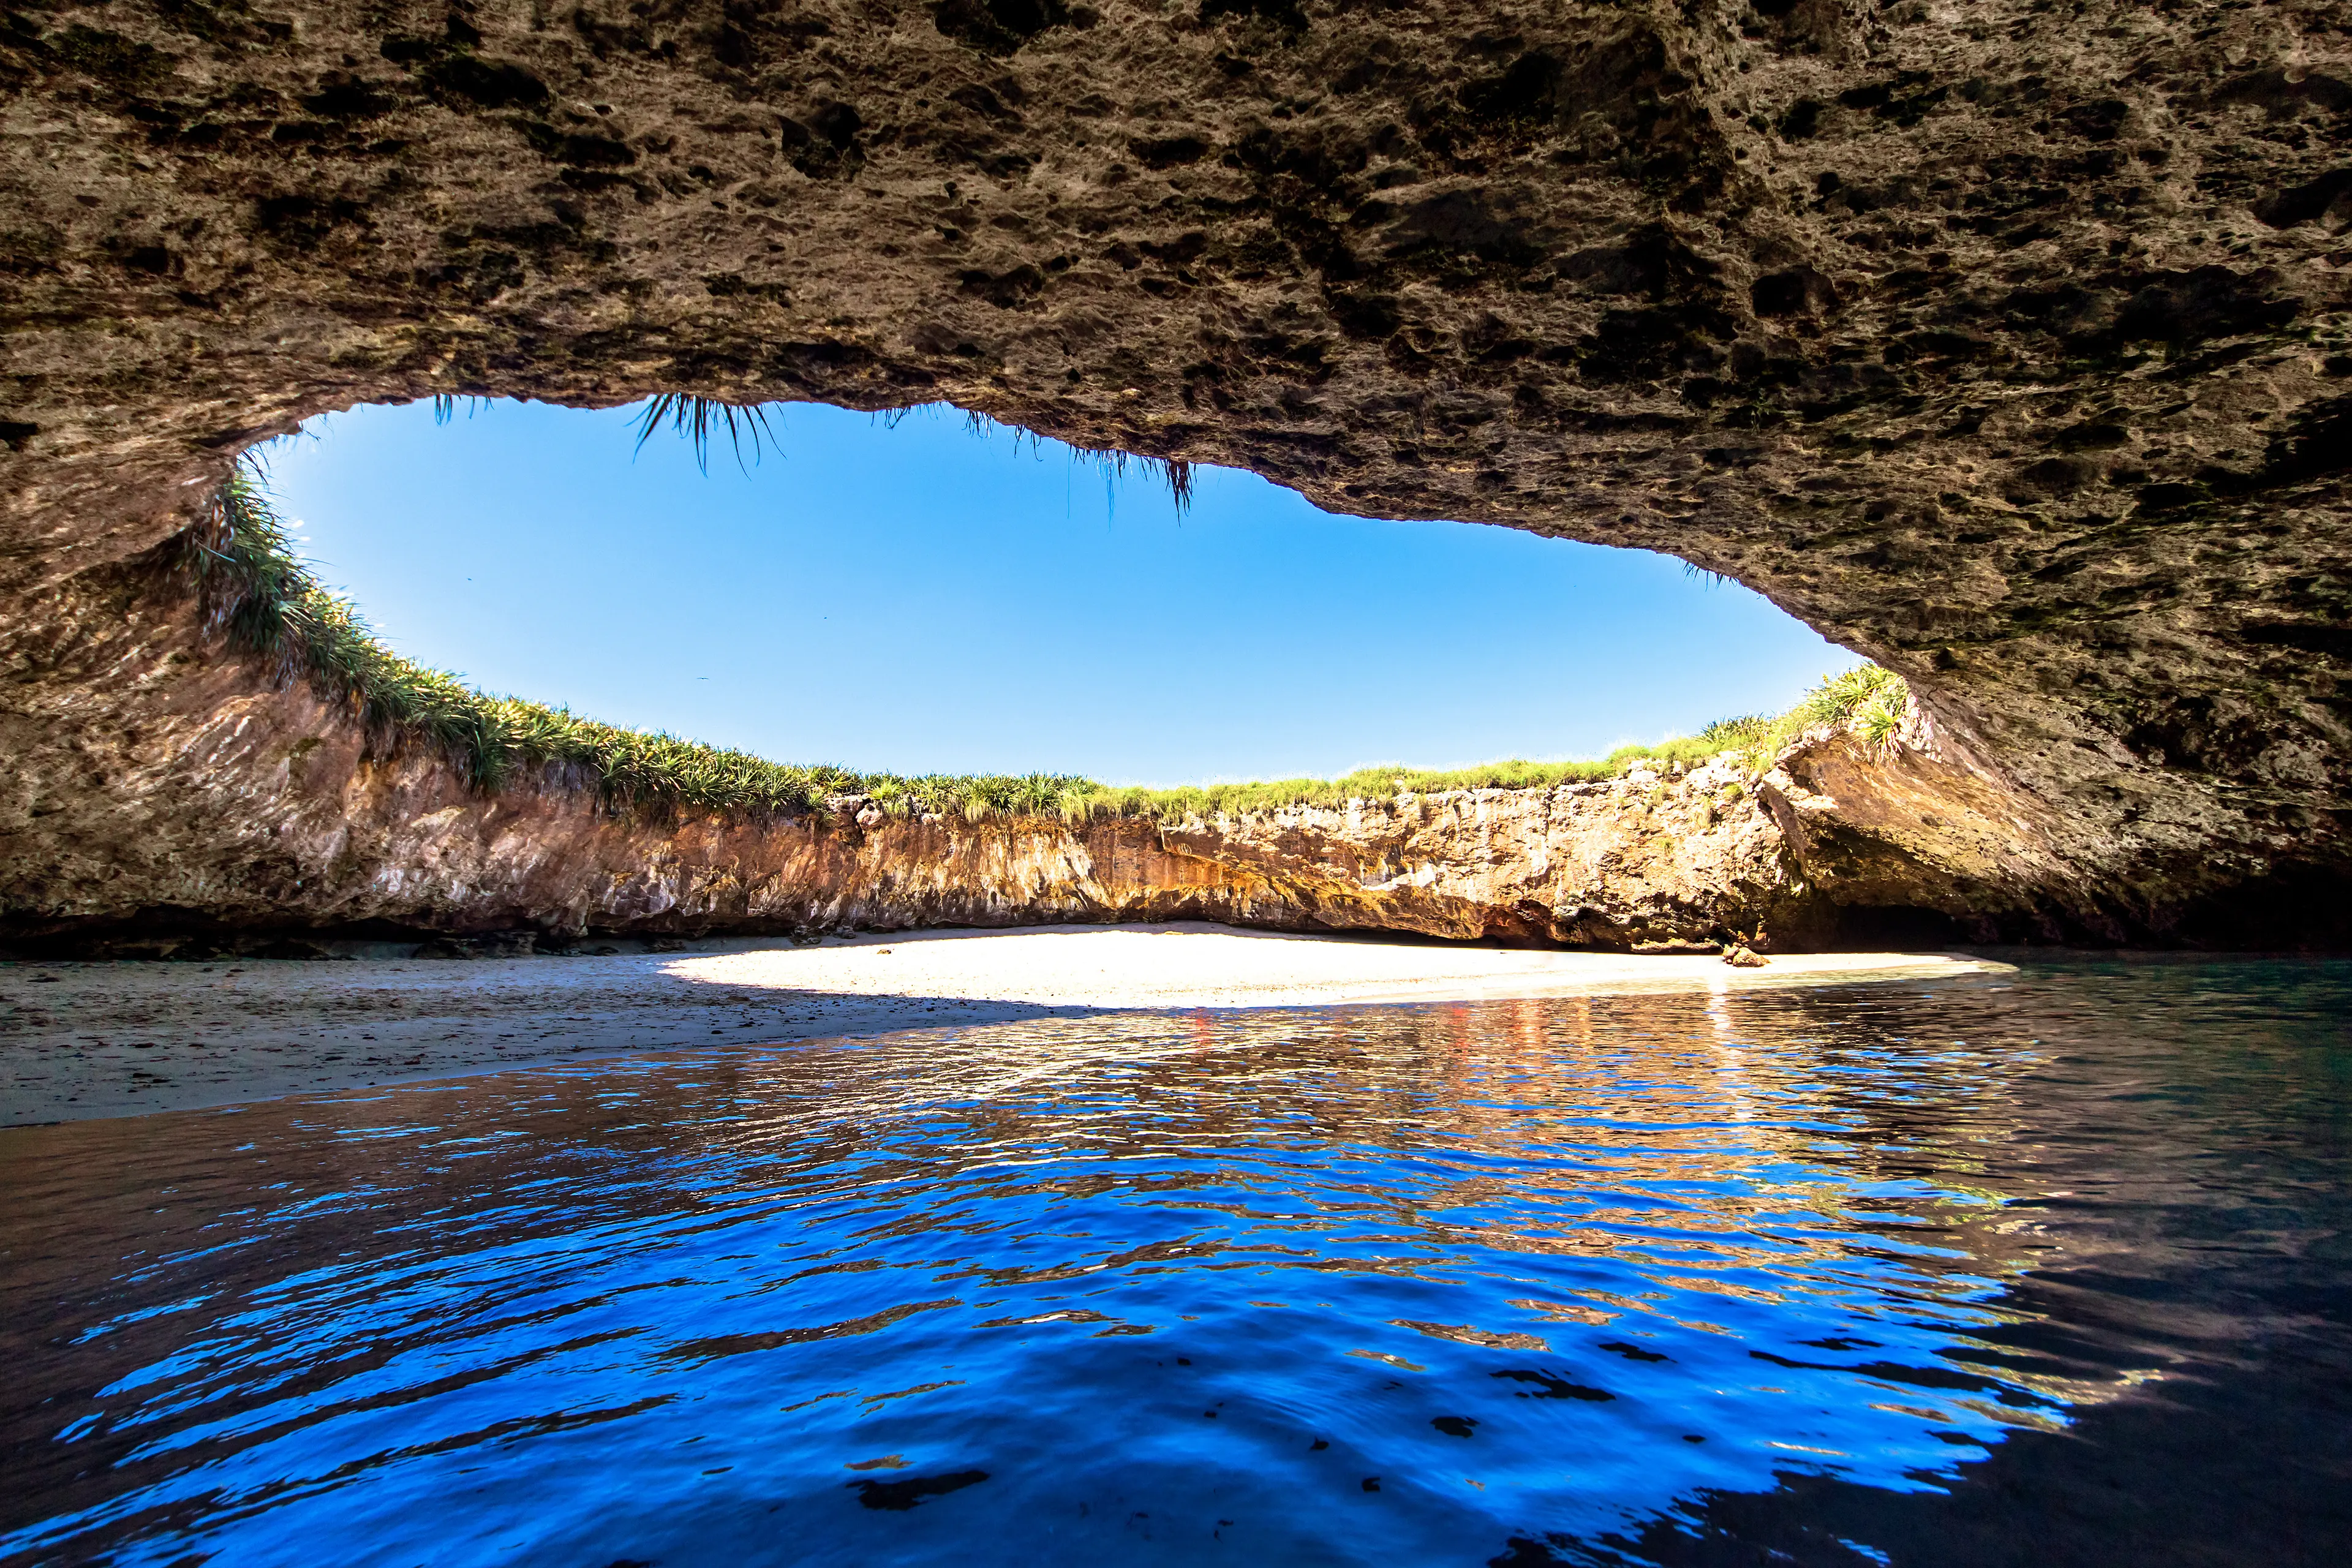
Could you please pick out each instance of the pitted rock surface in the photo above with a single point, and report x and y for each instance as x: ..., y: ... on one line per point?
x: 2004, y: 342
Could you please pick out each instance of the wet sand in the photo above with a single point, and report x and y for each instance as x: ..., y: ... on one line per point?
x: 81, y: 1040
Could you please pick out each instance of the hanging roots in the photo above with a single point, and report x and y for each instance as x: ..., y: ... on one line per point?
x: 699, y: 418
x: 1174, y: 472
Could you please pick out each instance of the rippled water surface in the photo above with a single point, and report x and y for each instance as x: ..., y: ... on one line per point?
x: 2049, y: 1268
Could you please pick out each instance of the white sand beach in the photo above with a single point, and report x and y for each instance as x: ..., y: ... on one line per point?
x: 82, y: 1040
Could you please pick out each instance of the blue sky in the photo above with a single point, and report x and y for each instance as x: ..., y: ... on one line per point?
x: 920, y: 599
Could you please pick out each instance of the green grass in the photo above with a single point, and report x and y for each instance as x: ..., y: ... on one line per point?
x: 1383, y: 782
x: 252, y: 588
x: 1867, y: 701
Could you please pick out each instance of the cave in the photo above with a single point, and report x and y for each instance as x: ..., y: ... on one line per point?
x: 2007, y: 343
x: 2004, y: 345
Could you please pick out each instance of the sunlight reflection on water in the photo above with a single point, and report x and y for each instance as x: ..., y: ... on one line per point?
x: 1504, y: 1281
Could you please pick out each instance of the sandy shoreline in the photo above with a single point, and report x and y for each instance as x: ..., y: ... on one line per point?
x: 82, y: 1040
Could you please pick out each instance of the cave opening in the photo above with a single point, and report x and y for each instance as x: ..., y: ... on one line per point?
x: 929, y: 592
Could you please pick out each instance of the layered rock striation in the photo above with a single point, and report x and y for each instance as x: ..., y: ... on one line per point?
x: 157, y: 791
x: 2007, y: 343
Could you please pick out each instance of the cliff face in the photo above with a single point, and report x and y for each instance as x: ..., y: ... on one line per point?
x: 154, y: 789
x: 2005, y: 342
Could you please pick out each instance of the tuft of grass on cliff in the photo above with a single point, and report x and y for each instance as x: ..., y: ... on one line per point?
x: 254, y: 589
x: 1867, y: 701
x: 1383, y: 782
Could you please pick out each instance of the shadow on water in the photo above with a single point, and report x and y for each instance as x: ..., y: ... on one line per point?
x: 127, y: 1037
x: 2209, y: 1273
x: 2245, y: 1462
x: 2049, y: 1269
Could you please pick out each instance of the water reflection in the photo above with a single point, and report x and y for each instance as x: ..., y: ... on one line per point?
x: 1520, y: 1281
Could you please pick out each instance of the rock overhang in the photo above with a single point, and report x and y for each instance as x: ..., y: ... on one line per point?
x: 2008, y: 348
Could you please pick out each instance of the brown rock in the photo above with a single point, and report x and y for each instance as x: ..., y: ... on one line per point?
x: 2005, y: 344
x: 233, y: 806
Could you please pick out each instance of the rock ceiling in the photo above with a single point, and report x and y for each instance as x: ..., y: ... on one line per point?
x: 2005, y: 342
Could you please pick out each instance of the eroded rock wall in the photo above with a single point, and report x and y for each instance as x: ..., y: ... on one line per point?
x: 151, y: 786
x: 2006, y: 342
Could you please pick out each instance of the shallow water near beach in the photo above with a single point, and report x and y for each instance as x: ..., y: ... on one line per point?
x: 2051, y: 1266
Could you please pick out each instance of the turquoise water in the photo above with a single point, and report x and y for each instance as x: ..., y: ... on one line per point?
x: 2010, y: 1268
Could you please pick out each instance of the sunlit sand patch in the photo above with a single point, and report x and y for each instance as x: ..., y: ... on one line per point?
x: 1191, y: 965
x: 121, y: 1039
